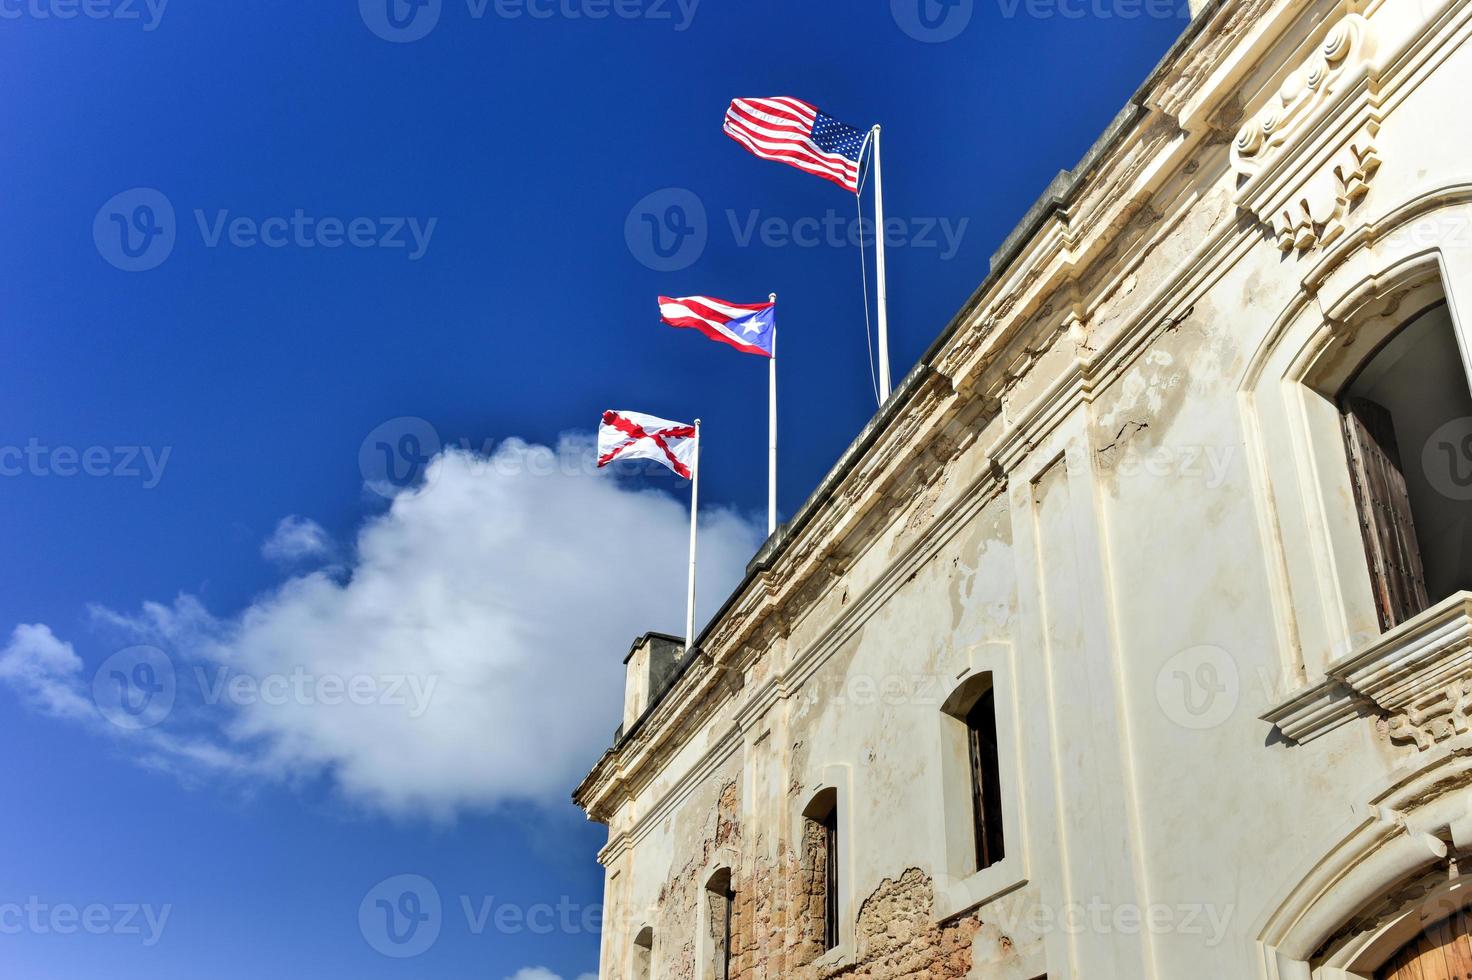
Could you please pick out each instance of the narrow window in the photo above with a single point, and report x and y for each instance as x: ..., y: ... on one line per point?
x: 986, y: 780
x: 830, y: 882
x: 1408, y: 431
x: 644, y: 954
x: 822, y: 847
x: 722, y: 905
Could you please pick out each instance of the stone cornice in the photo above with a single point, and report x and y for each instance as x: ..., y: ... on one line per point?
x: 1418, y: 675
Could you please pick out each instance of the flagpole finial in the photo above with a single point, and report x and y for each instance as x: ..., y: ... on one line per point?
x: 772, y: 297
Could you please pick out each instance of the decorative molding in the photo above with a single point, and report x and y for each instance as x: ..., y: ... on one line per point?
x: 1305, y: 193
x: 1315, y: 710
x: 1418, y: 675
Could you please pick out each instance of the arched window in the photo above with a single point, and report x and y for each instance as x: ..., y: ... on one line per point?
x: 721, y: 906
x: 644, y: 954
x: 821, y: 845
x: 1408, y: 429
x: 974, y: 704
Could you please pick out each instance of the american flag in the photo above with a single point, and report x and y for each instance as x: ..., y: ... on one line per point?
x: 792, y: 132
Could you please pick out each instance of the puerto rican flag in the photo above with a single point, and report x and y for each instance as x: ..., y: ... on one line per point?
x: 632, y: 435
x: 749, y: 327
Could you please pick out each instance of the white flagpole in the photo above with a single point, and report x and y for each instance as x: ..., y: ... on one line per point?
x: 694, y: 510
x: 772, y: 440
x: 884, y: 382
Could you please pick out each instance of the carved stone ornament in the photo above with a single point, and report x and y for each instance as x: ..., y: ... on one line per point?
x: 1434, y: 717
x: 1308, y: 156
x: 1418, y: 677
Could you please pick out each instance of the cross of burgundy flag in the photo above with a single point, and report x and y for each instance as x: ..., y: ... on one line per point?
x: 630, y: 435
x: 790, y: 131
x: 749, y: 327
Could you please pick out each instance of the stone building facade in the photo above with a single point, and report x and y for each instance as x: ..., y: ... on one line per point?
x: 1133, y: 638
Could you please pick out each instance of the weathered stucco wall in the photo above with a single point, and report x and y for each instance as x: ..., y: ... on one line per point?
x: 1105, y: 492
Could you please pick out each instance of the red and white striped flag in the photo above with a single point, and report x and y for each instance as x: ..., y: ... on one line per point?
x: 632, y: 435
x: 749, y: 327
x: 792, y: 132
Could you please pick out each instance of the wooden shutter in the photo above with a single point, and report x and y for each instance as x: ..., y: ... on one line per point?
x: 1398, y: 577
x: 1442, y: 952
x: 986, y: 782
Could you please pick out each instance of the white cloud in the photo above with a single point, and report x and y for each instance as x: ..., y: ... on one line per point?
x: 45, y: 671
x: 296, y: 539
x: 506, y: 589
x: 542, y: 973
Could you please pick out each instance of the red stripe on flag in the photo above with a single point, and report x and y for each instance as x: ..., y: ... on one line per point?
x: 636, y: 433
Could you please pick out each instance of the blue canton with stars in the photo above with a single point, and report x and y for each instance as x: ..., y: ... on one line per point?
x: 832, y: 136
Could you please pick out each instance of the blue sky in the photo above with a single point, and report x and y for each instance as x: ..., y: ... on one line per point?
x: 190, y: 451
